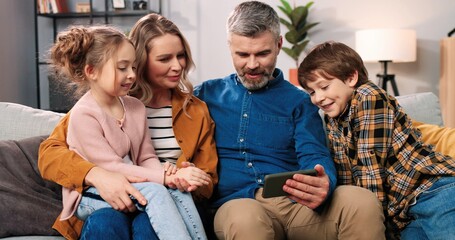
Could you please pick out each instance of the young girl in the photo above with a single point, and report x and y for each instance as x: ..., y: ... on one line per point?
x: 109, y: 129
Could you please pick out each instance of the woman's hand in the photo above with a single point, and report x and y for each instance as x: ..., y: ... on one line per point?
x: 115, y: 188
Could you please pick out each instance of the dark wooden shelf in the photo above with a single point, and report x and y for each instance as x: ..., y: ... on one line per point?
x: 119, y: 13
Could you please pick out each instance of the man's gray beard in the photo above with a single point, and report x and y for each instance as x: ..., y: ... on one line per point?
x: 253, y: 86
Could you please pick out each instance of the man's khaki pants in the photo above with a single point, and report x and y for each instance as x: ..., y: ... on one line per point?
x: 352, y: 213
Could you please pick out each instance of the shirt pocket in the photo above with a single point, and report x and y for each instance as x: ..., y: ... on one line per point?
x: 272, y: 131
x: 368, y: 173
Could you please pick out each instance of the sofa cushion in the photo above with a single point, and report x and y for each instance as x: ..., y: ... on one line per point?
x: 442, y: 138
x: 29, y: 205
x: 423, y: 107
x: 19, y: 121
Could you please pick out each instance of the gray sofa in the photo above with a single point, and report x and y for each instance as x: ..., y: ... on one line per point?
x: 31, y: 209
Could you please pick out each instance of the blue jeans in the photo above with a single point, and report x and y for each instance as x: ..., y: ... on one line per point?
x: 172, y: 213
x: 433, y: 213
x: 107, y: 223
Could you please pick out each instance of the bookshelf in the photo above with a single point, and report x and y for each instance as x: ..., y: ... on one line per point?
x: 58, y: 101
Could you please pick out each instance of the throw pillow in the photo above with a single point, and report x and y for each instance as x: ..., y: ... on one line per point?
x: 442, y: 138
x: 29, y: 205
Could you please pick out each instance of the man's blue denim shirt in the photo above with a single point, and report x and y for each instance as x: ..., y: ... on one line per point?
x: 274, y: 129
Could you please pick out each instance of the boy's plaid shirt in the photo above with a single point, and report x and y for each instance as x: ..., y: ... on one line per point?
x: 375, y: 146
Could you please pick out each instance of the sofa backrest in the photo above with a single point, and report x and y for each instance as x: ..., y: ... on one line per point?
x: 422, y: 107
x: 18, y: 121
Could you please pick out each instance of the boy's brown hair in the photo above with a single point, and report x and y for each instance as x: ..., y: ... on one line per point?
x: 332, y: 60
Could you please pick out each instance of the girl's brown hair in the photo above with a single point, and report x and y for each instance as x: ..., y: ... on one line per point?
x: 79, y: 46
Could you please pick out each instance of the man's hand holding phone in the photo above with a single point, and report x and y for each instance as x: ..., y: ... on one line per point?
x: 273, y: 183
x: 310, y: 191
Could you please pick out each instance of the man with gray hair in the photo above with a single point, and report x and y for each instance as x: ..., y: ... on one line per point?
x: 265, y: 125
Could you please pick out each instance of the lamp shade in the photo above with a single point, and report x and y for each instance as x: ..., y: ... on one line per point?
x: 396, y: 45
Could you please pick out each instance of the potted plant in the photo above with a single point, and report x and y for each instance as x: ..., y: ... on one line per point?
x: 297, y: 35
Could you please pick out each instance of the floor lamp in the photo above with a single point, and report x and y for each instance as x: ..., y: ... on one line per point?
x: 385, y: 46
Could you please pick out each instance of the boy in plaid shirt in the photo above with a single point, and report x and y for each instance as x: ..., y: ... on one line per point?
x: 375, y: 145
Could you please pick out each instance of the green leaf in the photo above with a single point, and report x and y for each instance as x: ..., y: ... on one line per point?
x: 298, y: 48
x: 286, y: 6
x: 292, y: 37
x: 301, y: 24
x: 299, y: 14
x: 287, y: 24
x: 288, y: 13
x: 291, y: 53
x: 301, y: 37
x: 303, y: 33
x: 298, y: 27
x: 308, y: 5
x: 308, y: 27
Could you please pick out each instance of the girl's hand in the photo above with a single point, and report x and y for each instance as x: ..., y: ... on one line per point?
x: 193, y: 176
x: 182, y: 184
x: 170, y: 168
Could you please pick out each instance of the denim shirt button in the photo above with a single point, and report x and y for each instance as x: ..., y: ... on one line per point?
x: 243, y: 152
x: 259, y: 180
x: 245, y: 115
x: 241, y: 140
x: 250, y: 164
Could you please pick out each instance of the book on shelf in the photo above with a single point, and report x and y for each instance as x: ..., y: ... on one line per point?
x: 52, y: 6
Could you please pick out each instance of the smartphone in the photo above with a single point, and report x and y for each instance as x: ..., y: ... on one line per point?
x: 273, y: 183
